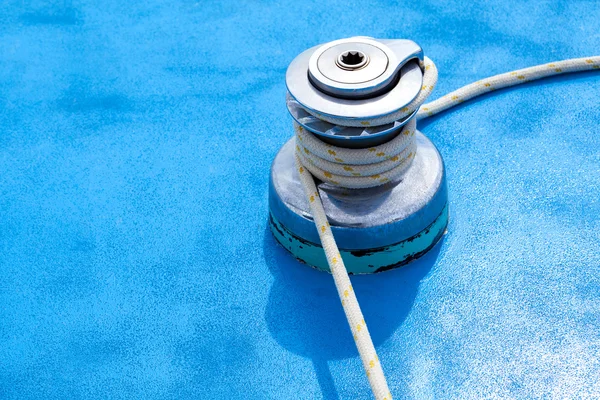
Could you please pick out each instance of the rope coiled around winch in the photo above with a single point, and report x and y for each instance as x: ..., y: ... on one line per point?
x: 363, y: 168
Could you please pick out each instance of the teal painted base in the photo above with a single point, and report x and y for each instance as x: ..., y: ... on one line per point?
x: 363, y: 261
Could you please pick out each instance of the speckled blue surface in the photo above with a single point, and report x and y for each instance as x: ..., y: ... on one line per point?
x: 135, y: 260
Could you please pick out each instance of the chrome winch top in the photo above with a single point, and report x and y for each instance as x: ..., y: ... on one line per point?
x: 354, y: 79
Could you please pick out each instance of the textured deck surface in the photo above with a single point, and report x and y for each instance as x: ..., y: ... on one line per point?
x: 135, y: 260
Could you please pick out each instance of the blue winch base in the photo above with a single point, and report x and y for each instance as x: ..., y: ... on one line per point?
x: 363, y: 261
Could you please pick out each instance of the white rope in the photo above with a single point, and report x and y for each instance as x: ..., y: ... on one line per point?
x: 362, y: 168
x: 356, y: 168
x: 506, y: 80
x: 365, y: 346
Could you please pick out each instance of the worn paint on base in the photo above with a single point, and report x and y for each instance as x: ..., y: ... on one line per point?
x: 364, y: 261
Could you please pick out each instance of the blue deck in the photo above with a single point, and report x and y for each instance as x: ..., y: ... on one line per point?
x: 135, y: 259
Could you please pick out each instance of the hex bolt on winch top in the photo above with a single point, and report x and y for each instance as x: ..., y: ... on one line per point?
x: 359, y: 81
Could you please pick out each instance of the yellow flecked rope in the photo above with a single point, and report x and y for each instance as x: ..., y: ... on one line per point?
x: 361, y: 168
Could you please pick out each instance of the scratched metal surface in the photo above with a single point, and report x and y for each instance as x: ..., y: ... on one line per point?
x: 135, y: 260
x: 367, y: 218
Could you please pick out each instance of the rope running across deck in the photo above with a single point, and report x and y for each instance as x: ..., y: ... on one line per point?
x: 363, y: 168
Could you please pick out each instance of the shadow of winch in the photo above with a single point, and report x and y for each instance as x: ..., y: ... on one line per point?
x: 304, y: 314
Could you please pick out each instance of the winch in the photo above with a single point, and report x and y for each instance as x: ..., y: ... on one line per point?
x: 353, y: 95
x: 359, y: 189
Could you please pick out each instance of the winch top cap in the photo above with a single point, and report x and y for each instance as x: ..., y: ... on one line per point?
x: 351, y: 68
x: 356, y: 78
